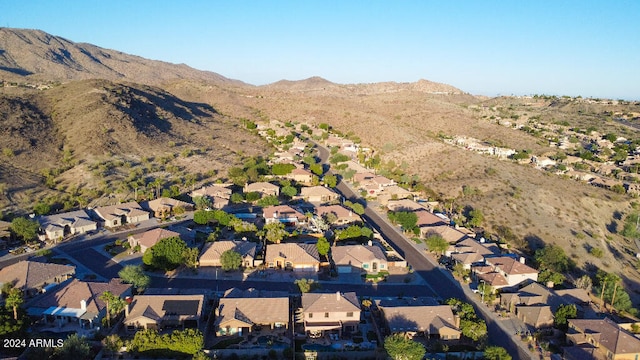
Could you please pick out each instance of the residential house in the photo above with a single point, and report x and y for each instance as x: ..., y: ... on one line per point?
x: 535, y: 316
x: 450, y: 234
x: 359, y: 258
x: 601, y: 339
x: 212, y: 252
x: 284, y: 214
x: 120, y: 214
x: 429, y: 219
x: 301, y: 176
x: 58, y: 226
x: 263, y: 188
x: 318, y: 194
x: 330, y: 312
x: 343, y: 216
x: 165, y: 207
x: 34, y: 277
x: 413, y: 318
x: 513, y: 271
x: 219, y: 194
x: 394, y: 192
x: 77, y: 301
x: 298, y: 257
x: 240, y: 315
x: 469, y: 251
x: 162, y: 311
x: 149, y: 238
x: 404, y: 205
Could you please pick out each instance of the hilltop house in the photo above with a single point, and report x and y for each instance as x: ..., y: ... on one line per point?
x: 297, y: 257
x: 212, y: 252
x: 284, y: 214
x: 359, y: 258
x: 330, y: 312
x: 34, y: 277
x: 240, y: 315
x: 77, y: 301
x: 149, y: 238
x: 58, y: 226
x: 263, y: 188
x: 504, y: 271
x: 120, y: 214
x: 162, y: 311
x: 165, y: 207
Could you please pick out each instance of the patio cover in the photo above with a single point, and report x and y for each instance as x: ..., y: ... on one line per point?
x: 332, y: 325
x: 62, y: 311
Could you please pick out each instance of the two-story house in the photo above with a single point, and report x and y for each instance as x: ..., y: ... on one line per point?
x: 504, y: 271
x: 330, y: 312
x: 600, y: 339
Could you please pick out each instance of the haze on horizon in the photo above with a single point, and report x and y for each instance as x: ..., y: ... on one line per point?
x: 586, y: 48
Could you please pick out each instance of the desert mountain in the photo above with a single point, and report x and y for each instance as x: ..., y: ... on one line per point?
x: 37, y: 55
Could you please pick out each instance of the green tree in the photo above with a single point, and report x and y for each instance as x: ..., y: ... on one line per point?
x: 630, y: 228
x: 330, y: 180
x: 323, y: 246
x: 564, y: 313
x: 353, y: 231
x: 236, y: 198
x: 305, y: 285
x: 112, y: 343
x: 406, y: 219
x: 357, y: 208
x: 114, y: 304
x: 289, y: 191
x: 476, y: 217
x: 202, y: 217
x: 26, y: 229
x: 202, y: 202
x: 316, y: 169
x: 41, y: 208
x: 496, y: 353
x: 133, y: 274
x: 269, y: 200
x: 400, y: 348
x: 168, y: 253
x: 190, y: 257
x: 13, y: 301
x: 554, y: 258
x: 436, y: 243
x: 230, y: 260
x: 274, y: 232
x: 74, y: 348
x: 252, y: 196
x: 473, y: 329
x: 282, y: 169
x: 547, y: 275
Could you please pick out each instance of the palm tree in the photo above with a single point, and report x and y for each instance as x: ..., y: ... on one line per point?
x: 108, y: 297
x: 14, y: 300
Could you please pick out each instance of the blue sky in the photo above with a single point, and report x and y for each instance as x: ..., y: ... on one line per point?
x: 587, y: 48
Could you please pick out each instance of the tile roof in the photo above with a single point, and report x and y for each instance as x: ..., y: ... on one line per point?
x: 536, y: 315
x: 333, y: 302
x: 356, y: 255
x: 471, y: 245
x: 296, y: 253
x: 151, y: 237
x: 30, y: 274
x: 213, y: 251
x: 338, y: 210
x: 317, y: 191
x: 404, y: 205
x: 608, y: 334
x: 426, y: 218
x: 253, y: 293
x: 156, y: 204
x: 72, y: 219
x: 259, y: 310
x: 213, y: 191
x: 510, y: 265
x: 260, y: 186
x: 70, y: 294
x: 419, y: 318
x: 157, y: 307
x: 115, y: 211
x: 281, y: 211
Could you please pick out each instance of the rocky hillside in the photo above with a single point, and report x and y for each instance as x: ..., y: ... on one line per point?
x: 36, y: 55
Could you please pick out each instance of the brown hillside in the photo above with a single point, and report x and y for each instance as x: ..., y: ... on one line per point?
x: 40, y: 56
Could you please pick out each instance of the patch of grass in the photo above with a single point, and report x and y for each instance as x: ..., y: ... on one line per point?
x: 417, y: 240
